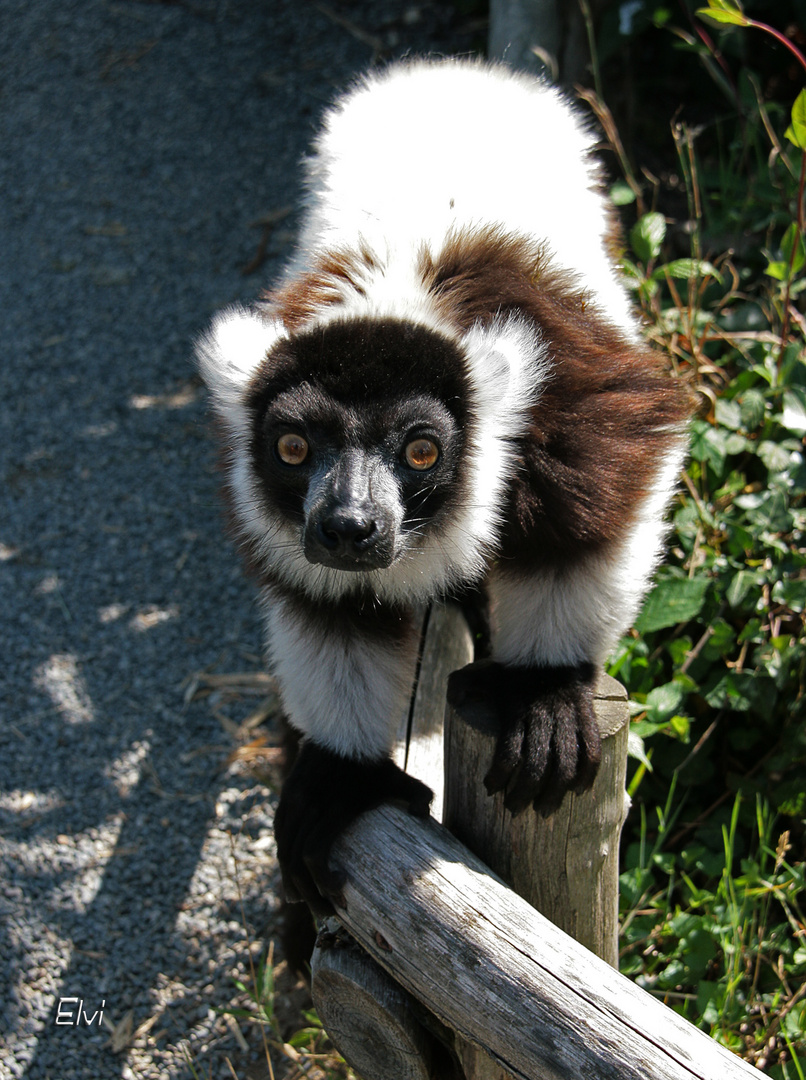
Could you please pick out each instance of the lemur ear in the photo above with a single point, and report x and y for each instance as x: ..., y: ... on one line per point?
x: 232, y: 350
x: 508, y: 364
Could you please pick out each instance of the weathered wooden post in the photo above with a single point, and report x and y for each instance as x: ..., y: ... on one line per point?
x: 565, y: 865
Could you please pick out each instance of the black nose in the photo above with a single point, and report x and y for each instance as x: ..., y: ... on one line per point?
x: 345, y: 533
x: 349, y: 538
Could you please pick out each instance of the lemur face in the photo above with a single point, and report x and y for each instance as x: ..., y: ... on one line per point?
x: 357, y: 440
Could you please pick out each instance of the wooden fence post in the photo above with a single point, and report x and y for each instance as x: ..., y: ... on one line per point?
x: 367, y: 1012
x: 565, y: 865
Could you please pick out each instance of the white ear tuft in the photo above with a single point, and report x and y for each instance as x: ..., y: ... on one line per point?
x: 232, y: 350
x: 508, y: 365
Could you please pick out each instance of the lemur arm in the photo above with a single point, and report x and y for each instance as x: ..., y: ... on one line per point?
x: 345, y: 675
x: 553, y: 626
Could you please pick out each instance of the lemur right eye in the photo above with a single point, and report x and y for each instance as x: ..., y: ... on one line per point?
x: 292, y: 449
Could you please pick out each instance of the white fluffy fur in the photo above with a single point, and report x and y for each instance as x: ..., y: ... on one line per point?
x: 579, y: 614
x: 409, y: 158
x: 427, y: 148
x: 399, y: 167
x: 351, y: 694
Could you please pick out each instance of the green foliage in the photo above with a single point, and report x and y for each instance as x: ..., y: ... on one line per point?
x: 713, y: 881
x: 796, y: 132
x: 307, y: 1047
x: 712, y: 933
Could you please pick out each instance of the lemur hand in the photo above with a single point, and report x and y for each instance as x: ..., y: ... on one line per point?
x: 548, y: 739
x: 323, y: 794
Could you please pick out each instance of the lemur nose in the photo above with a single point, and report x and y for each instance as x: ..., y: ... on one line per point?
x: 343, y: 532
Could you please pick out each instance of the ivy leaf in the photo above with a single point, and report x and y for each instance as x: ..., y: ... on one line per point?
x: 646, y: 236
x: 728, y: 413
x: 672, y: 601
x: 713, y: 444
x: 778, y: 456
x: 685, y: 269
x: 796, y: 132
x: 662, y: 702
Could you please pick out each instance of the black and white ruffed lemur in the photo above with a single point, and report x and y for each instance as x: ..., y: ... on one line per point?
x: 447, y: 387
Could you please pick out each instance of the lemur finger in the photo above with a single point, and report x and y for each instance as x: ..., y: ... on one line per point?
x: 507, y: 757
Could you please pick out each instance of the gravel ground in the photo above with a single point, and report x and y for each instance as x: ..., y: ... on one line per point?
x: 139, y: 142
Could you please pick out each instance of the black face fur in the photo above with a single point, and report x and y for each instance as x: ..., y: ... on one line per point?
x: 350, y: 399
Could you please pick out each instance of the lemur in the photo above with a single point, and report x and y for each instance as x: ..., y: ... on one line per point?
x: 448, y: 386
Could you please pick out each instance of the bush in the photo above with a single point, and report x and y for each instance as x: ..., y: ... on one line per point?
x: 715, y: 667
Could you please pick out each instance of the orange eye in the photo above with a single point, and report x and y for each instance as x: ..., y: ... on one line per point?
x: 422, y: 454
x: 292, y: 449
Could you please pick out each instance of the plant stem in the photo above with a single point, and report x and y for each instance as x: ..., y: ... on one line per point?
x: 788, y: 290
x: 782, y: 38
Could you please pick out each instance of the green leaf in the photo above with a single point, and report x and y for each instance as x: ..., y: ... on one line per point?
x: 723, y: 11
x: 664, y: 701
x: 778, y: 457
x: 636, y: 749
x: 684, y: 269
x: 777, y: 269
x: 753, y: 405
x: 711, y: 445
x: 681, y: 726
x: 710, y: 998
x: 722, y: 639
x: 621, y: 194
x: 793, y: 252
x: 792, y: 247
x: 796, y: 132
x: 727, y: 693
x: 728, y: 413
x: 740, y: 586
x: 672, y: 601
x: 646, y: 236
x: 794, y: 414
x: 790, y: 593
x: 634, y: 276
x: 767, y: 510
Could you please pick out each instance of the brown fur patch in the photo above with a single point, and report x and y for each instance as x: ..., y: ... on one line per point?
x: 334, y: 274
x: 607, y: 416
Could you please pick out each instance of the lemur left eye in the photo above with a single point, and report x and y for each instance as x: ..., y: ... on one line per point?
x: 292, y: 449
x: 422, y: 454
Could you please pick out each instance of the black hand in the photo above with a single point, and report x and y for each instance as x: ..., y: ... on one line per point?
x: 323, y: 794
x: 548, y: 738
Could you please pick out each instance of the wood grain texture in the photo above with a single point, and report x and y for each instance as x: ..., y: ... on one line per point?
x: 565, y: 865
x: 367, y: 1015
x: 447, y: 646
x: 500, y: 974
